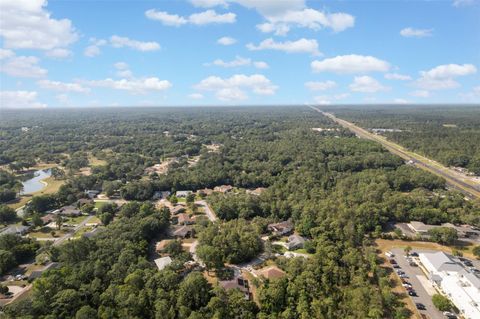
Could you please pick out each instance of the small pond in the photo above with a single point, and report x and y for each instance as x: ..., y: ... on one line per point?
x: 35, y: 184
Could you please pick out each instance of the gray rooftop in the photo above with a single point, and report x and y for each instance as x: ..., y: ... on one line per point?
x: 163, y: 262
x: 442, y: 262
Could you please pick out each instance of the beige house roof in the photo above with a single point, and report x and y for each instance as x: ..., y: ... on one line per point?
x: 271, y: 272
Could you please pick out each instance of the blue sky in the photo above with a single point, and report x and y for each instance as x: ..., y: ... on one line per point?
x: 230, y: 52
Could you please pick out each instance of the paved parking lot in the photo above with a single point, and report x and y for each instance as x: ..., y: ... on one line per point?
x: 420, y: 284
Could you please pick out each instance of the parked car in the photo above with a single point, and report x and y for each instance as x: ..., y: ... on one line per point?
x: 450, y: 315
x: 396, y: 266
x: 414, y: 254
x: 404, y: 276
x: 413, y: 264
x: 420, y: 306
x: 412, y: 293
x: 393, y: 261
x: 389, y: 254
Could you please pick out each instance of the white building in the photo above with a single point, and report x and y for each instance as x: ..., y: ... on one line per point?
x: 460, y: 285
x: 163, y: 262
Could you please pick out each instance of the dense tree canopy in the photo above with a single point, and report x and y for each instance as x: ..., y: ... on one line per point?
x: 338, y: 191
x: 450, y: 135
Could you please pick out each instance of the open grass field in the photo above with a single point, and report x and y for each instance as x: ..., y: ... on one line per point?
x: 93, y: 161
x: 47, y: 233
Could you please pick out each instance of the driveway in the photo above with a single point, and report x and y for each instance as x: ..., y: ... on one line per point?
x: 420, y: 284
x: 208, y: 211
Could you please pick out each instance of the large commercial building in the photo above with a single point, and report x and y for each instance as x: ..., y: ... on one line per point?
x: 460, y: 285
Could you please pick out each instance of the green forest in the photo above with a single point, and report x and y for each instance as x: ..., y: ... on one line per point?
x: 448, y: 134
x: 340, y: 192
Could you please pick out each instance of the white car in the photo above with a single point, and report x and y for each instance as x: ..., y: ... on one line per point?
x: 389, y: 254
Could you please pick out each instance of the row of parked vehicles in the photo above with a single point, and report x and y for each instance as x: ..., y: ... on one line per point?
x: 408, y: 286
x: 403, y: 277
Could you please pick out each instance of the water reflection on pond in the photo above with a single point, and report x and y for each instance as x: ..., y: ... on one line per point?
x: 35, y: 183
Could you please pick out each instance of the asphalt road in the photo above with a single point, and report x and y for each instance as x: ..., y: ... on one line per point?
x: 70, y: 234
x: 211, y: 215
x: 415, y: 273
x: 465, y: 184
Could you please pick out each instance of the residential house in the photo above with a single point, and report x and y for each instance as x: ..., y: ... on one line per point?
x: 91, y: 193
x: 161, y: 195
x: 282, y: 228
x: 163, y: 262
x: 257, y: 191
x: 46, y: 219
x: 295, y: 242
x: 183, y: 194
x: 16, y: 230
x: 223, y: 189
x: 238, y: 283
x: 463, y: 231
x: 68, y: 211
x: 271, y: 272
x: 184, y: 232
x: 205, y: 192
x: 177, y: 209
x: 184, y: 219
x: 84, y: 201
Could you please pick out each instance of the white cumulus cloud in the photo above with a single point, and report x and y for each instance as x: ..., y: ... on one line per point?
x: 234, y: 87
x: 20, y: 100
x: 366, y: 84
x: 449, y: 71
x: 137, y: 86
x: 201, y: 18
x: 4, y: 54
x: 120, y: 42
x: 123, y: 70
x: 396, y: 76
x: 208, y: 3
x: 416, y: 33
x: 306, y: 18
x: 94, y: 49
x: 62, y: 86
x: 281, y: 16
x: 299, y: 46
x: 27, y: 25
x: 463, y: 3
x: 226, y: 41
x: 442, y: 77
x: 352, y: 63
x: 59, y: 53
x: 21, y: 66
x: 260, y: 65
x: 238, y: 62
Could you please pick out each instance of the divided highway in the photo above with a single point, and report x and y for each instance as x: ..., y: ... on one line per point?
x: 466, y: 184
